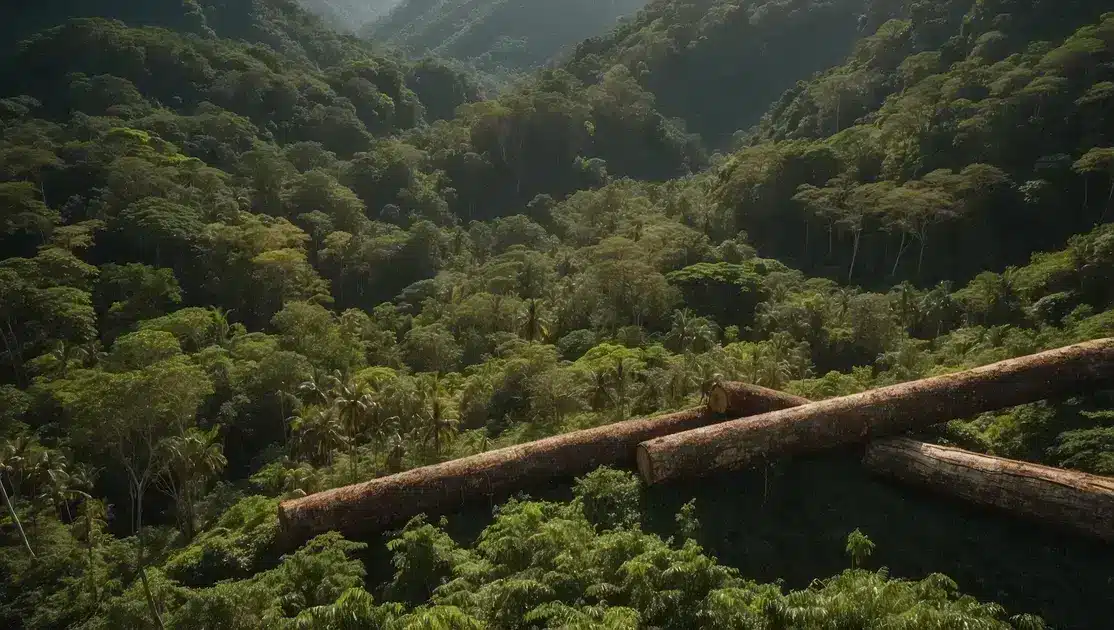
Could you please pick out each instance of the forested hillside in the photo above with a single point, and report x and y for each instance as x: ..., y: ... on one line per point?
x: 245, y: 258
x: 719, y: 64
x: 497, y: 35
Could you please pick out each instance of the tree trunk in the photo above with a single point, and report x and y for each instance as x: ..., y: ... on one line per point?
x: 151, y: 607
x: 391, y: 501
x: 141, y: 560
x: 854, y: 254
x: 804, y: 253
x: 1109, y: 198
x: 1062, y: 498
x: 15, y: 518
x: 890, y: 410
x: 922, y: 237
x: 900, y: 251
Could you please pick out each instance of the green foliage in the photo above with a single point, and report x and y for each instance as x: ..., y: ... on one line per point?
x: 859, y: 548
x: 242, y: 255
x: 239, y: 544
x: 423, y: 559
x: 610, y: 498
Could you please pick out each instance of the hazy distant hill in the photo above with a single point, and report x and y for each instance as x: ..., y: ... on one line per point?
x: 349, y: 15
x: 513, y: 34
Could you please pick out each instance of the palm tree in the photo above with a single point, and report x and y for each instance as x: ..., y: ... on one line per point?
x: 777, y: 368
x: 354, y: 405
x: 396, y: 451
x: 534, y: 321
x: 434, y: 426
x: 907, y: 303
x: 320, y: 433
x: 10, y: 458
x: 61, y: 488
x: 91, y: 523
x: 223, y: 330
x: 623, y: 380
x: 320, y: 387
x: 283, y: 396
x: 691, y: 332
x: 937, y: 305
x: 65, y: 354
x: 599, y: 390
x: 191, y: 460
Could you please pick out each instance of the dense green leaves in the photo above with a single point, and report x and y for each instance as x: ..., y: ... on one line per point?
x: 240, y: 263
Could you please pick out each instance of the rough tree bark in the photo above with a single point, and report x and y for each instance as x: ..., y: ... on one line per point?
x: 391, y: 501
x: 1066, y: 499
x: 890, y: 410
x: 733, y: 397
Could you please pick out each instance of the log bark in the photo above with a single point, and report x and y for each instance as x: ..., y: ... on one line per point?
x: 1060, y: 498
x: 890, y: 410
x: 391, y: 501
x: 725, y: 398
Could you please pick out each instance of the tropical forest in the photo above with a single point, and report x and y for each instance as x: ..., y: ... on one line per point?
x: 591, y: 315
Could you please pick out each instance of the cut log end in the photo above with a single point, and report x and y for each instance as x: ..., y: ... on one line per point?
x: 645, y: 464
x: 717, y: 401
x: 744, y: 399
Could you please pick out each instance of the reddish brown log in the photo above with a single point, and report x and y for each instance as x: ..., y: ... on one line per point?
x: 392, y: 501
x: 890, y: 410
x: 725, y: 398
x: 1060, y: 498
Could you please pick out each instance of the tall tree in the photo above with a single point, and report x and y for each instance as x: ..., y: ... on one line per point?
x: 1098, y: 161
x: 8, y: 460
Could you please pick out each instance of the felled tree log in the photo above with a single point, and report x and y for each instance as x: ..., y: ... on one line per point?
x: 732, y: 397
x: 392, y: 501
x: 890, y: 410
x: 1061, y: 498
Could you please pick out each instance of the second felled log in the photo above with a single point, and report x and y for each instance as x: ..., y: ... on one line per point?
x: 391, y: 501
x: 1060, y: 498
x: 735, y: 444
x: 732, y: 397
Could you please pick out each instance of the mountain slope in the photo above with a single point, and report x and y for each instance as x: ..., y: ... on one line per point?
x: 718, y: 64
x: 239, y: 262
x: 508, y: 34
x: 281, y: 24
x: 936, y: 164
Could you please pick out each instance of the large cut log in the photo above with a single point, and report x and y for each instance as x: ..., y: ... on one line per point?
x: 890, y: 410
x: 1061, y: 498
x: 391, y: 501
x: 733, y: 397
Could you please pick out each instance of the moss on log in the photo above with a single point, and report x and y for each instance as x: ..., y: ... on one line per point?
x: 1060, y: 498
x: 890, y: 410
x: 391, y: 501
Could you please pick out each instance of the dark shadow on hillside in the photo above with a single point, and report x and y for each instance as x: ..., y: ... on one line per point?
x: 791, y: 521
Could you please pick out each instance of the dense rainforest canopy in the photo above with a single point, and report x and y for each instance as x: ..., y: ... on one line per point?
x: 245, y: 257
